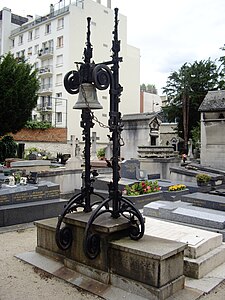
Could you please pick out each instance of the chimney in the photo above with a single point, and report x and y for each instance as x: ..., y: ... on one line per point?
x: 109, y: 3
x: 51, y: 8
x: 29, y: 17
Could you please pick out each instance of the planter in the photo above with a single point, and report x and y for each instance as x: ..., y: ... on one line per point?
x: 141, y: 200
x: 174, y: 195
x: 200, y: 183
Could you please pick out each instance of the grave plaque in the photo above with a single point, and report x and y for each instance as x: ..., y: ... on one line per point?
x: 129, y: 168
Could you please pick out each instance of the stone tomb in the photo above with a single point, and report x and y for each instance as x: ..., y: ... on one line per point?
x: 205, y: 250
x: 27, y: 203
x: 150, y: 268
x: 211, y: 201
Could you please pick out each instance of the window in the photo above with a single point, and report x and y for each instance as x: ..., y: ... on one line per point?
x: 49, y: 118
x: 35, y: 117
x: 22, y: 53
x: 59, y: 60
x: 48, y: 28
x: 20, y: 39
x: 13, y: 43
x: 36, y: 33
x: 36, y: 49
x: 59, y: 95
x: 29, y: 51
x: 60, y: 41
x: 49, y: 101
x: 58, y: 79
x: 59, y: 117
x: 60, y: 24
x: 30, y: 35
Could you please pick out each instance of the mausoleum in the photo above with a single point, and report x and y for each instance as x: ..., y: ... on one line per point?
x: 212, y: 129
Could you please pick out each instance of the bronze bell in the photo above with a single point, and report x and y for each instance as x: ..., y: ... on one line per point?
x: 87, y: 97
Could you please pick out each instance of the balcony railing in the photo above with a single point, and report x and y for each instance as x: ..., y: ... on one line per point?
x: 45, y: 89
x: 45, y: 53
x: 44, y: 107
x: 46, y: 70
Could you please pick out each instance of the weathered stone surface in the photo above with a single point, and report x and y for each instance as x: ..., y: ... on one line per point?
x: 161, y: 260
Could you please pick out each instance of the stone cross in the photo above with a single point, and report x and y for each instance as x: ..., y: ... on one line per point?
x: 75, y: 146
x: 94, y: 140
x: 190, y: 153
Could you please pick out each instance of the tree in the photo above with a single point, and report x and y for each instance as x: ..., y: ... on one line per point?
x: 149, y: 88
x: 18, y: 93
x: 186, y: 89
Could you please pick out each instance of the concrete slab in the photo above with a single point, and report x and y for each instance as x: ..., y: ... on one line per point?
x: 202, y: 240
x: 198, y: 217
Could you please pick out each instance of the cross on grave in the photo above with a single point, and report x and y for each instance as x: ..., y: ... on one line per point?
x: 94, y: 140
x: 75, y: 146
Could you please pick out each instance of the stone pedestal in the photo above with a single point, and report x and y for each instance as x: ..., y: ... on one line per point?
x: 151, y: 267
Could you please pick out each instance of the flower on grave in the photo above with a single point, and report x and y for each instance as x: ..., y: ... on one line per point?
x: 141, y: 188
x: 176, y: 187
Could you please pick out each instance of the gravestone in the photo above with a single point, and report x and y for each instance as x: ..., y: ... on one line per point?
x: 74, y: 162
x: 94, y: 139
x: 32, y: 156
x: 129, y: 168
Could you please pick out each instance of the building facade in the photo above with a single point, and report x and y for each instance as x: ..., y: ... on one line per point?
x: 55, y: 42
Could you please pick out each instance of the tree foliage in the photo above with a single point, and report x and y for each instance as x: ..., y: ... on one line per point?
x: 149, y: 88
x: 18, y: 93
x: 186, y: 89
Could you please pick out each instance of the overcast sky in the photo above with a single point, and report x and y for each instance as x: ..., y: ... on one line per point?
x: 168, y: 32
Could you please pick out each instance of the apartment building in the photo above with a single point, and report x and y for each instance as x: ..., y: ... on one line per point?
x: 55, y: 42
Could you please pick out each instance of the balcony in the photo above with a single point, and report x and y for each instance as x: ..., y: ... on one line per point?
x: 45, y: 71
x: 45, y: 53
x: 44, y: 108
x: 45, y: 89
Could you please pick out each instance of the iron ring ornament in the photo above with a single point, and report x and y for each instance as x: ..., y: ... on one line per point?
x: 72, y: 82
x: 91, y: 242
x: 101, y: 77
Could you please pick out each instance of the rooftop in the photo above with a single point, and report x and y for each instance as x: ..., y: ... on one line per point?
x: 213, y: 101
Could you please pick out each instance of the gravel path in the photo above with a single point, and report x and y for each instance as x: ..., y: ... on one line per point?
x: 21, y: 281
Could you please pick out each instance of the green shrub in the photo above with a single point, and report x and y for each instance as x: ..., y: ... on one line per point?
x: 38, y: 125
x: 203, y: 177
x: 8, y: 148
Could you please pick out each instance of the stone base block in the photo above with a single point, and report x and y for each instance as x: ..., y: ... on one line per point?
x: 152, y: 265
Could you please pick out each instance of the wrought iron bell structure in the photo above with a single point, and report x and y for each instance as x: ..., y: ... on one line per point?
x: 84, y: 81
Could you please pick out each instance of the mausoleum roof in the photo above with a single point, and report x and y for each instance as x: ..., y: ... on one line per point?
x: 213, y: 101
x: 139, y: 116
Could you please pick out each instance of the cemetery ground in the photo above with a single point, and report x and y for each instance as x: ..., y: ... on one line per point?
x: 19, y: 280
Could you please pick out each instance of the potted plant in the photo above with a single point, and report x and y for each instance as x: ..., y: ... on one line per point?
x: 101, y: 153
x: 203, y: 179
